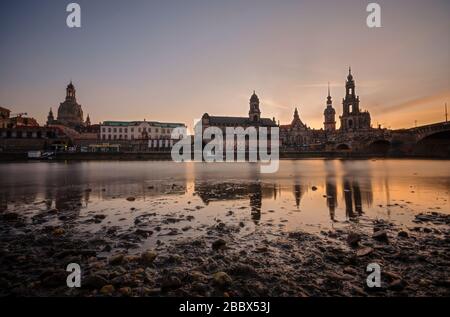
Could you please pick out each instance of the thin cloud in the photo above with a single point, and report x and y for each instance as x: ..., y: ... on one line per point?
x: 418, y: 102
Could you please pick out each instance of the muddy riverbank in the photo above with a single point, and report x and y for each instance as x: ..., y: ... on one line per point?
x: 414, y: 261
x: 166, y: 229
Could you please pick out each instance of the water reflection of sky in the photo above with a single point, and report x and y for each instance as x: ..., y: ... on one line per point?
x: 308, y: 194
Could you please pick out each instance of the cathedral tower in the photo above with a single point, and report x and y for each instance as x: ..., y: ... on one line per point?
x: 353, y: 119
x: 351, y: 101
x: 254, y: 114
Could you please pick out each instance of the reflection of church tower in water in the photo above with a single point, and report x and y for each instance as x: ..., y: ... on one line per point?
x: 298, y: 194
x: 348, y: 198
x: 357, y: 187
x: 352, y: 195
x: 255, y: 194
x: 331, y: 187
x: 357, y: 198
x: 331, y: 196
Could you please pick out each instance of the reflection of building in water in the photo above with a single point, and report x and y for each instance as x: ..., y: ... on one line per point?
x: 357, y: 185
x: 355, y: 197
x: 255, y: 201
x: 255, y: 192
x: 143, y: 189
x: 298, y: 194
x: 14, y: 194
x: 331, y: 187
x: 62, y: 193
x: 366, y: 191
x: 87, y: 194
x: 348, y: 198
x: 69, y: 201
x: 331, y: 191
x: 3, y: 202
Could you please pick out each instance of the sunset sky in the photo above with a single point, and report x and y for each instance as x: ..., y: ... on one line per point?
x: 173, y: 60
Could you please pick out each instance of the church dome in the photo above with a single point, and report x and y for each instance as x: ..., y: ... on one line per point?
x: 70, y: 112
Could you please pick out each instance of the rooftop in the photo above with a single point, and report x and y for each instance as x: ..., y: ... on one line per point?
x: 4, y: 110
x: 136, y: 123
x: 221, y: 120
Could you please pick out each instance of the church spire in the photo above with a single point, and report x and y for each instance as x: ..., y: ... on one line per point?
x: 50, y: 117
x: 329, y: 113
x: 329, y: 100
x: 350, y: 76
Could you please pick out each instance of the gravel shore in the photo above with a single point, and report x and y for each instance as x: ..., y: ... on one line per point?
x: 224, y: 261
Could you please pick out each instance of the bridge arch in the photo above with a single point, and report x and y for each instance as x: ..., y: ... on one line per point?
x: 343, y: 147
x: 430, y: 130
x: 435, y: 144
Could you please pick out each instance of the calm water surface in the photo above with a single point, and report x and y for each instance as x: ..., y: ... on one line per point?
x: 310, y: 195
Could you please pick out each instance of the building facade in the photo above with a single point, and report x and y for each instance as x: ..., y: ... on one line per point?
x: 32, y: 138
x: 20, y: 121
x: 137, y: 130
x: 296, y: 134
x: 4, y: 117
x: 253, y: 120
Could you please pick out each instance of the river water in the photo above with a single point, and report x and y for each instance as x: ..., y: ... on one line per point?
x: 187, y: 198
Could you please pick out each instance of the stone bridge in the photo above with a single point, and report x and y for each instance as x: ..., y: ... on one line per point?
x: 428, y: 140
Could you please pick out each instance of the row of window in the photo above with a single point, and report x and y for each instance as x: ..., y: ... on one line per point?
x: 28, y: 134
x: 118, y: 137
x: 125, y: 130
